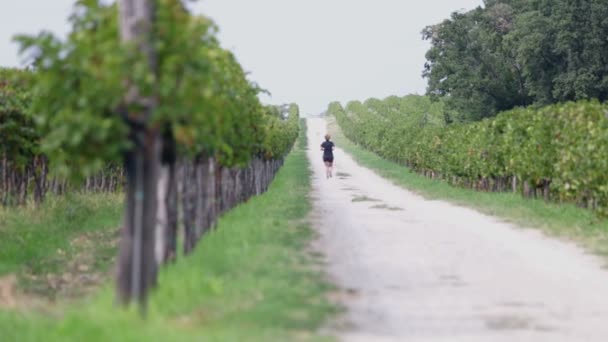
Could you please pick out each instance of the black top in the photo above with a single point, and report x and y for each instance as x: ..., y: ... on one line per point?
x: 328, y: 147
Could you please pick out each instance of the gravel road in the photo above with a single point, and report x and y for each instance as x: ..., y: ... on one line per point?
x: 411, y: 269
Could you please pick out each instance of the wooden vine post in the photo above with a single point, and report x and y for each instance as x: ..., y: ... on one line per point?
x: 137, y: 266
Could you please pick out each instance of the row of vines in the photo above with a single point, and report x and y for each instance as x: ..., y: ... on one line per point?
x: 555, y: 152
x: 24, y: 171
x: 146, y: 85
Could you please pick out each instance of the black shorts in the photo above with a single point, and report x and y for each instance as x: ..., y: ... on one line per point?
x: 328, y: 159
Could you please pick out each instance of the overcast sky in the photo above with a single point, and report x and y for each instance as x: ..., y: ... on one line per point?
x: 310, y: 52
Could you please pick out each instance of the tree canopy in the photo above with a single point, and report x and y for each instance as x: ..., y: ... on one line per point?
x: 512, y: 53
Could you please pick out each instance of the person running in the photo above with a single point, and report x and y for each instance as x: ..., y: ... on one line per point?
x: 328, y: 155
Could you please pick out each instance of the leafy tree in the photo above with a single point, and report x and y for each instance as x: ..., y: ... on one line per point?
x: 513, y: 53
x: 470, y: 66
x: 562, y: 49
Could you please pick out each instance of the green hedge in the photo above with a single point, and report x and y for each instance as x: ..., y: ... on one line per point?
x: 557, y: 152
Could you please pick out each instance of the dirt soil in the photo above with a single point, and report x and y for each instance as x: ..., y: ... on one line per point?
x: 412, y: 269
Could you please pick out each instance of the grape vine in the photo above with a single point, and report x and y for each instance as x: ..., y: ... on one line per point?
x: 146, y: 84
x: 553, y: 152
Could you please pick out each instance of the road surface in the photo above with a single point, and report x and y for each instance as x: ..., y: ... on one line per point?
x: 411, y: 269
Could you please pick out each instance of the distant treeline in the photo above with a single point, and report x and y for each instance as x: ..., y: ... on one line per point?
x: 512, y: 53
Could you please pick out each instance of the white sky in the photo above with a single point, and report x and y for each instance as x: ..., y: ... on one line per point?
x: 310, y: 52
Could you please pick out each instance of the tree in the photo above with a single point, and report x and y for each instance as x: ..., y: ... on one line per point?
x: 513, y: 53
x: 470, y: 66
x: 562, y: 50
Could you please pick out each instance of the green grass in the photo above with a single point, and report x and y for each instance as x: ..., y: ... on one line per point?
x: 252, y: 279
x: 563, y: 220
x: 30, y: 237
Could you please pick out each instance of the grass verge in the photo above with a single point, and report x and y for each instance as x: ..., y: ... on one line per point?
x: 563, y: 220
x: 30, y: 237
x: 250, y: 280
x: 61, y: 248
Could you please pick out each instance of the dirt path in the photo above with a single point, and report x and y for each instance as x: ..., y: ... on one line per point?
x: 419, y: 270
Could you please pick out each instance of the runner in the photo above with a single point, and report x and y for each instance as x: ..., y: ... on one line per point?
x: 328, y: 155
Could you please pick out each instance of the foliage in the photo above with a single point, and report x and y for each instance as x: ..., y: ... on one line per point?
x: 18, y: 137
x: 560, y: 219
x: 392, y: 127
x: 561, y: 145
x: 202, y: 92
x: 514, y: 53
x: 282, y: 130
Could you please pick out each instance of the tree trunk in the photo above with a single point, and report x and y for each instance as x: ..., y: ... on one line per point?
x: 162, y: 214
x: 546, y: 189
x: 102, y: 187
x: 218, y: 191
x: 137, y: 262
x: 137, y: 267
x: 212, y: 193
x: 200, y: 175
x: 4, y: 184
x: 170, y: 200
x: 172, y: 216
x: 38, y: 180
x: 188, y: 207
x: 257, y: 175
x: 25, y: 180
x: 527, y: 189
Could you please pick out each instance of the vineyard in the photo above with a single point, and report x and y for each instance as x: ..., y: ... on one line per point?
x: 554, y: 152
x: 24, y: 170
x: 140, y: 98
x: 147, y: 191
